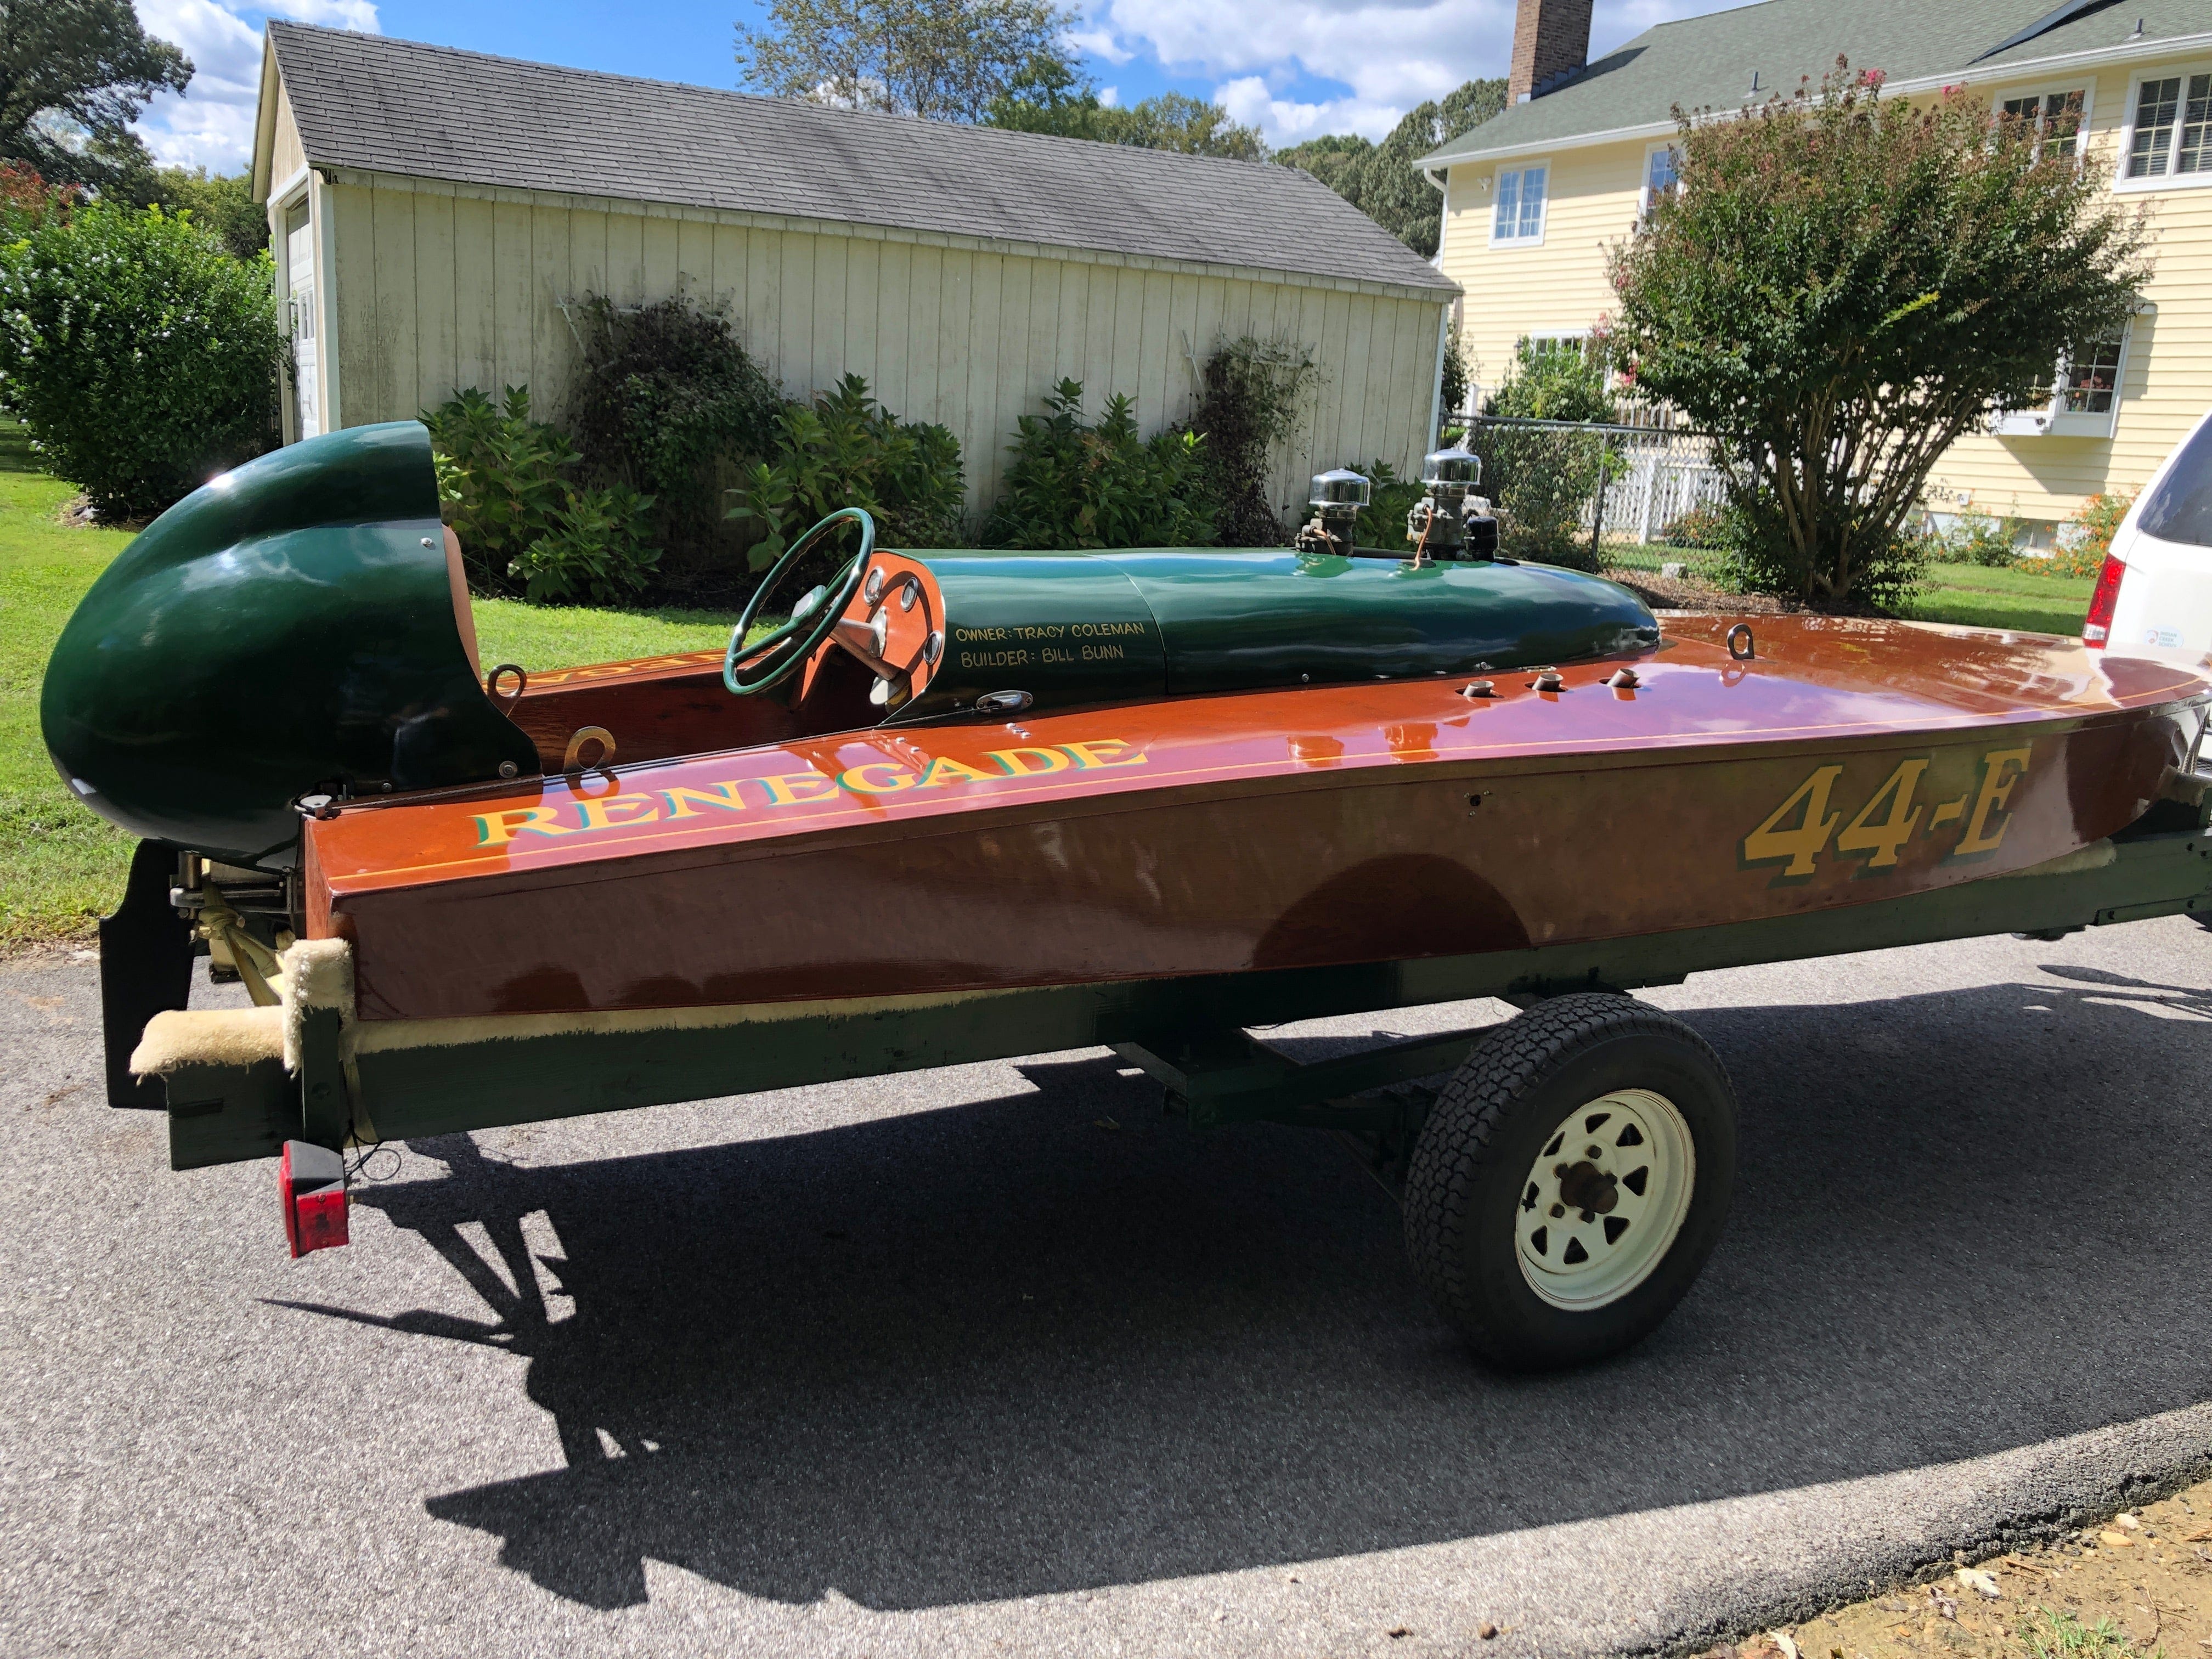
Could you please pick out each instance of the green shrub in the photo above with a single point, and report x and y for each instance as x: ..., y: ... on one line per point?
x: 665, y: 397
x: 597, y: 549
x: 503, y: 478
x: 141, y: 357
x: 1977, y: 539
x: 847, y: 450
x: 1452, y: 392
x: 1704, y: 527
x: 1073, y: 485
x: 506, y: 483
x: 1556, y: 381
x: 1254, y: 401
x: 1543, y: 477
x: 1389, y: 499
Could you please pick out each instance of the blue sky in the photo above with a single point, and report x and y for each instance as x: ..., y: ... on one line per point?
x: 1293, y: 68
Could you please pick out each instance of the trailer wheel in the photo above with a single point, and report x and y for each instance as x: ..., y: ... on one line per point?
x: 1571, y: 1180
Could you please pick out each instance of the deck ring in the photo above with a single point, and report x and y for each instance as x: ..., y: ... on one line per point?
x: 521, y: 684
x: 1750, y: 646
x: 573, y: 759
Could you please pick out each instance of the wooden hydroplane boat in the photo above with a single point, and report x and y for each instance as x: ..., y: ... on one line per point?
x: 969, y: 804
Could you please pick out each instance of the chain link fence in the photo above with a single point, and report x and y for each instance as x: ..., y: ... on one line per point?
x: 1628, y: 497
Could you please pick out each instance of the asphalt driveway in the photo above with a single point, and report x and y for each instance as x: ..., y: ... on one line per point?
x: 997, y: 1359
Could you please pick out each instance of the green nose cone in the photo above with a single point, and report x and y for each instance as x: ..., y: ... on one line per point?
x: 288, y: 627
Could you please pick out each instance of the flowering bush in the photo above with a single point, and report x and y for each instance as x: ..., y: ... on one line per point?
x: 143, y: 359
x: 2099, y: 518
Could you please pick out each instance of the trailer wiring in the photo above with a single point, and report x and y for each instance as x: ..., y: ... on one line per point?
x: 358, y: 1169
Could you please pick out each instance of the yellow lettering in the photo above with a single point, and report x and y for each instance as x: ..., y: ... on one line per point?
x: 1048, y: 760
x: 495, y: 827
x: 2001, y: 769
x: 599, y: 813
x: 684, y: 803
x: 856, y: 779
x: 1800, y: 845
x: 797, y: 788
x: 942, y: 770
x: 1880, y: 839
x: 1101, y: 753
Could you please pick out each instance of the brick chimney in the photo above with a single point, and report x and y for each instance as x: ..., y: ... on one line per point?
x: 1550, y: 37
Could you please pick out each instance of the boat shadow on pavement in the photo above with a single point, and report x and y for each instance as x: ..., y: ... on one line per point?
x: 1053, y: 1341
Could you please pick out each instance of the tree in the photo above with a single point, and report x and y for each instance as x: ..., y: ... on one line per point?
x: 74, y: 76
x: 1545, y: 476
x: 222, y: 204
x: 1844, y: 287
x: 946, y: 59
x: 143, y: 359
x: 1048, y: 96
x: 1380, y: 179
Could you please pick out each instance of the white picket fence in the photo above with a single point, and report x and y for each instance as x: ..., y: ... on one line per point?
x: 1660, y: 486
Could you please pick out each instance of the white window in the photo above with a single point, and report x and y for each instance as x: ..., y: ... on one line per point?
x: 1663, y: 172
x: 2060, y: 117
x: 1520, y: 212
x: 2168, y: 138
x: 2084, y: 396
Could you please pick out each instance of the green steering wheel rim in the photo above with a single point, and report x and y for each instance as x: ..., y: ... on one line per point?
x: 811, y: 628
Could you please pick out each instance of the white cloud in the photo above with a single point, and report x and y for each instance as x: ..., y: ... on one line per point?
x: 1099, y: 43
x: 1109, y: 96
x: 1391, y: 54
x: 212, y: 125
x: 1252, y: 103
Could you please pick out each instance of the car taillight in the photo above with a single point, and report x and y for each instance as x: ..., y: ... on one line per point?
x: 2096, y: 626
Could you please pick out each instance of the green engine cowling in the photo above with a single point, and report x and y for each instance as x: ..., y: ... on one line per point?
x: 1070, y: 629
x: 288, y: 627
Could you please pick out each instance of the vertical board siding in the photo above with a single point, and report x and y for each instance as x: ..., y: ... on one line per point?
x: 515, y: 321
x: 476, y: 303
x: 437, y: 366
x: 438, y: 291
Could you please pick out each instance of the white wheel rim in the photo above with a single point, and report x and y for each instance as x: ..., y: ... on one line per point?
x: 1601, y: 1205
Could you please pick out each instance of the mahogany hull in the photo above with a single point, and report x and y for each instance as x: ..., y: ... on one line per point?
x: 1849, y: 762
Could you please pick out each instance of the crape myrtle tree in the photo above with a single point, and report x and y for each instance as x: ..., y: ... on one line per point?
x: 1843, y: 287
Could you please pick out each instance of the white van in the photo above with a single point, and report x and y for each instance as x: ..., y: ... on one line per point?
x: 2153, y: 597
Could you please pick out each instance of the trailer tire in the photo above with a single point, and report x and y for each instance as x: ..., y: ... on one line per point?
x: 1488, y: 1225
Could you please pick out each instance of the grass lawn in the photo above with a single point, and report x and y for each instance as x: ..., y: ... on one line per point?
x: 1965, y: 593
x: 2025, y: 600
x: 65, y: 867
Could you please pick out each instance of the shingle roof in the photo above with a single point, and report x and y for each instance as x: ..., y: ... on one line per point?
x: 1707, y: 62
x: 427, y: 111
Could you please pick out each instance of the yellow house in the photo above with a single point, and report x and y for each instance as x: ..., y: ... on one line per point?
x: 1535, y: 197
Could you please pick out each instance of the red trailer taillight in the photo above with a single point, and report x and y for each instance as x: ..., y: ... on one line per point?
x: 313, y: 1181
x: 2097, y: 627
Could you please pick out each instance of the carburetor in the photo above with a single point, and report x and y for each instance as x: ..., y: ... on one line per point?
x: 1440, y: 524
x: 1337, y: 497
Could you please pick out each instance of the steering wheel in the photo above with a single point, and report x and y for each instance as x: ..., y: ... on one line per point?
x: 811, y: 618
